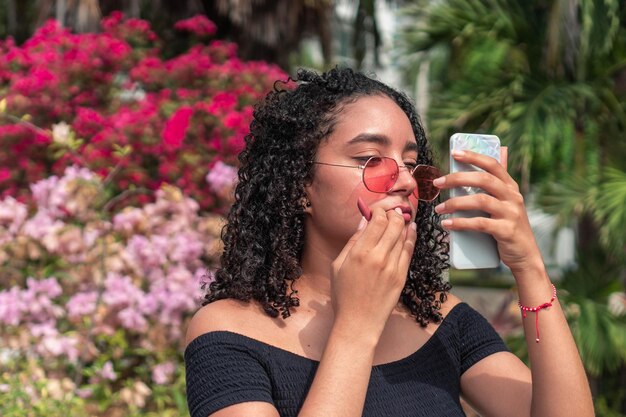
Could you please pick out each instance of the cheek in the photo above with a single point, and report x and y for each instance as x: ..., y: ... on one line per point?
x: 337, y: 190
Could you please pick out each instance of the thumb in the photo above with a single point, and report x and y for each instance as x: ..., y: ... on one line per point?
x: 351, y: 242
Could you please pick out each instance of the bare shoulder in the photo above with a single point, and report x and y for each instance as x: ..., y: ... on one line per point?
x: 451, y: 301
x: 223, y: 315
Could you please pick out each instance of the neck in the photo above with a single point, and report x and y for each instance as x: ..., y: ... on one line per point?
x: 316, y: 265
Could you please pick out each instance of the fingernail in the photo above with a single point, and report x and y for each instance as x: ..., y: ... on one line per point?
x: 440, y: 208
x: 362, y: 223
x: 446, y: 222
x: 398, y: 210
x: 439, y: 181
x: 413, y: 226
x: 458, y: 153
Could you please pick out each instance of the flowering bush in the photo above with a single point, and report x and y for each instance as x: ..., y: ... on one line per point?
x: 94, y: 298
x: 102, y: 302
x: 176, y: 117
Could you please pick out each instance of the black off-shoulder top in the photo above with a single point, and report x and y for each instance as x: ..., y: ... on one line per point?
x: 225, y: 368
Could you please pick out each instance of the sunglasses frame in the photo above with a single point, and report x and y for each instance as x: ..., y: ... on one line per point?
x: 411, y: 170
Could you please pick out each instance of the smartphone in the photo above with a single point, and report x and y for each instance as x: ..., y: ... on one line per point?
x: 469, y: 249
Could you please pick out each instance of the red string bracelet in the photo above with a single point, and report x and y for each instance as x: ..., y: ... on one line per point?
x: 536, y: 310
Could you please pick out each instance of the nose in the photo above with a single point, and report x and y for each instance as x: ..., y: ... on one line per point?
x: 405, y: 183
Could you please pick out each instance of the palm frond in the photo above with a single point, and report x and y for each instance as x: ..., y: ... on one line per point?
x: 610, y: 209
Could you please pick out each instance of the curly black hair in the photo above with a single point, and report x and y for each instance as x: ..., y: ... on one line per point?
x: 264, y: 235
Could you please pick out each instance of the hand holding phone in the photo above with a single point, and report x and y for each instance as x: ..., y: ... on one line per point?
x: 470, y: 249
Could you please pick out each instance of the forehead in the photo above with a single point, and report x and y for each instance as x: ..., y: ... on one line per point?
x: 375, y: 120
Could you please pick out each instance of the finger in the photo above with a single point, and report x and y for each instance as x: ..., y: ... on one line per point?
x: 476, y: 224
x: 504, y: 157
x: 408, y: 247
x: 351, y: 242
x: 481, y: 201
x: 375, y: 228
x: 393, y: 232
x: 394, y: 254
x: 485, y: 162
x: 479, y: 179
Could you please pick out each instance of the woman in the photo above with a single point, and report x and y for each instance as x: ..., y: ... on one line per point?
x: 317, y: 311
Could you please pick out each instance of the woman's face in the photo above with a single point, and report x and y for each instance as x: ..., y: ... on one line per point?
x: 370, y: 126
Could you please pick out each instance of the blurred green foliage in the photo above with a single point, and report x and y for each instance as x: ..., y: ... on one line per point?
x: 549, y: 78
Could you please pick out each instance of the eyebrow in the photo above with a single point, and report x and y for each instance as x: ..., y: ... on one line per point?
x: 379, y: 140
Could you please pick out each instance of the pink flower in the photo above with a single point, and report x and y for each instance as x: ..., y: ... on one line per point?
x: 12, y: 216
x: 53, y: 343
x: 112, y: 21
x: 11, y: 307
x: 43, y: 225
x: 148, y: 253
x: 120, y: 291
x: 88, y: 122
x: 82, y: 304
x: 185, y: 247
x: 107, y: 371
x: 162, y: 372
x: 233, y: 120
x: 221, y: 177
x: 222, y: 102
x: 129, y: 219
x: 199, y: 25
x: 83, y: 392
x: 176, y: 128
x: 132, y: 319
x: 5, y: 174
x: 49, y: 287
x: 38, y: 299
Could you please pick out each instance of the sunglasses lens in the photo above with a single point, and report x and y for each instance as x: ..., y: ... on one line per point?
x: 380, y: 174
x: 424, y: 176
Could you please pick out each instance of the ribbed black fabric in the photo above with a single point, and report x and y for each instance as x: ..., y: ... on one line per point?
x: 225, y: 368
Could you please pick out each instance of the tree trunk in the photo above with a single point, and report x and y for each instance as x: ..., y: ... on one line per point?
x: 11, y: 18
x: 61, y: 9
x: 45, y: 12
x: 135, y: 8
x: 88, y: 16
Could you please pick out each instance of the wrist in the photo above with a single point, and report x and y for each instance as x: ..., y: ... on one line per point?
x: 532, y: 278
x: 533, y: 270
x: 534, y: 286
x: 350, y: 333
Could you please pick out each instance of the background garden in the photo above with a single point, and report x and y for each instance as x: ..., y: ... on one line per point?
x: 120, y: 123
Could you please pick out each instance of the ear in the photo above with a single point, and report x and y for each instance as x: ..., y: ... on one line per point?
x: 306, y: 204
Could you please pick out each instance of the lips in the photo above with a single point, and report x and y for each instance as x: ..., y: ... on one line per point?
x: 405, y: 209
x: 366, y: 212
x: 407, y: 213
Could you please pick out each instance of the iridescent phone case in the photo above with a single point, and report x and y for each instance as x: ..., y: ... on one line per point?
x: 469, y: 249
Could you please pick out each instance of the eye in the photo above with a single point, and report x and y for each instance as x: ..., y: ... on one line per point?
x: 363, y: 159
x: 410, y: 164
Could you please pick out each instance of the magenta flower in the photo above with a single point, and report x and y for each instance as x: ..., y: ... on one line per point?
x: 5, y: 174
x: 199, y: 25
x: 176, y: 128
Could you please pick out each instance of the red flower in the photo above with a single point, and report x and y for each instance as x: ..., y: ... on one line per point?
x: 233, y: 120
x: 5, y: 174
x: 176, y: 127
x: 198, y: 25
x: 222, y: 102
